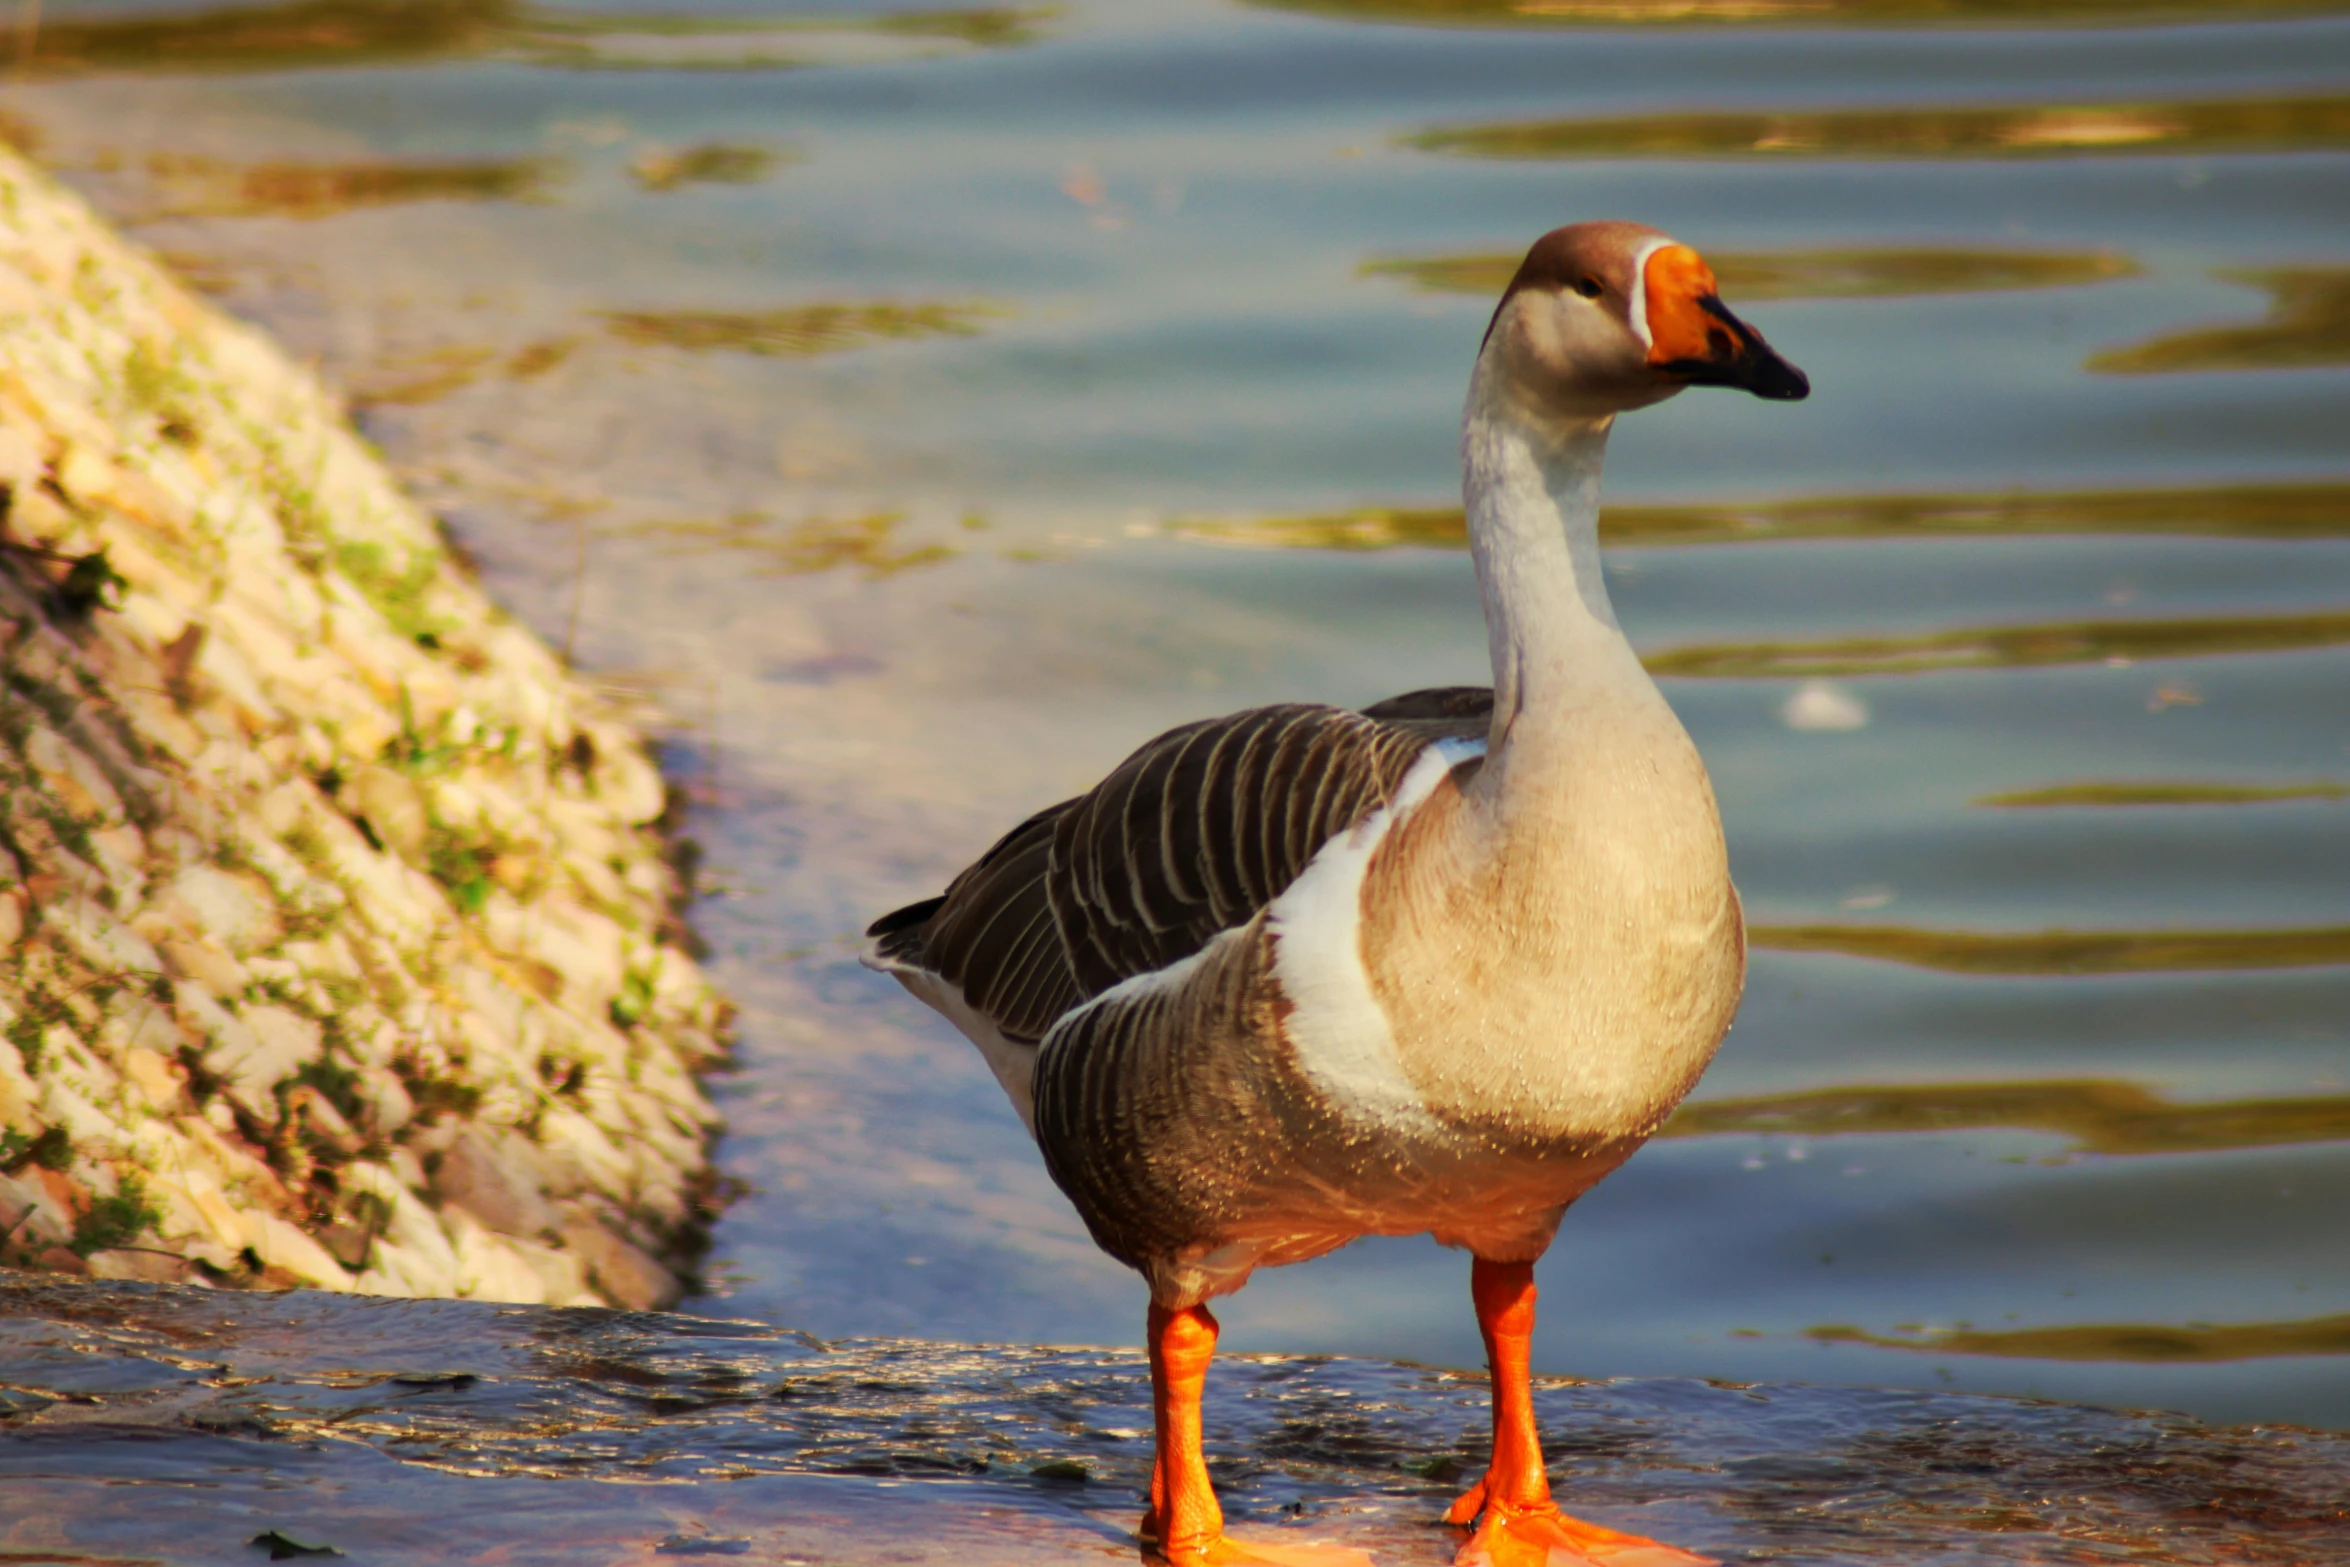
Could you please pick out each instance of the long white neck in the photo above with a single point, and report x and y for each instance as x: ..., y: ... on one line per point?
x: 1532, y: 488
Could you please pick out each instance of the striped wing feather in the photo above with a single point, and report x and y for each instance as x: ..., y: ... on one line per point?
x: 1191, y: 835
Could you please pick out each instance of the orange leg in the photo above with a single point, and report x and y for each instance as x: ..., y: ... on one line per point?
x: 1518, y: 1525
x: 1185, y: 1523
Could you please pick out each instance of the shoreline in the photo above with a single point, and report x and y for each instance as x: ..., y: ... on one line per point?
x: 342, y: 943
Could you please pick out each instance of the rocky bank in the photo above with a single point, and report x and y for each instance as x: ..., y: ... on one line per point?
x: 340, y: 945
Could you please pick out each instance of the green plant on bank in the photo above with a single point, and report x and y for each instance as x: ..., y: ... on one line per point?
x: 635, y: 998
x: 399, y: 594
x: 25, y: 1030
x: 155, y: 383
x: 113, y: 1221
x: 300, y: 515
x: 50, y: 1149
x: 337, y: 1082
x: 461, y: 865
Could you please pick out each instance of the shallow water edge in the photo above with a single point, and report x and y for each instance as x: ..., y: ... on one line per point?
x: 150, y: 1423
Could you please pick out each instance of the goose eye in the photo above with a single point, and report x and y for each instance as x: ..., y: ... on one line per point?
x: 1590, y: 288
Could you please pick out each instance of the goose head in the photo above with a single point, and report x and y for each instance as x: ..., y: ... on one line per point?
x: 1603, y: 318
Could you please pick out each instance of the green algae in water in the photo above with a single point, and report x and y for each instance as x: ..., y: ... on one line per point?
x: 2308, y: 325
x: 2066, y: 951
x: 2007, y: 647
x: 1812, y: 274
x: 2147, y: 794
x: 867, y: 544
x: 332, y: 34
x: 2221, y: 126
x: 2098, y: 1116
x: 715, y: 163
x: 2252, y: 511
x: 2146, y: 1343
x: 1804, y: 13
x: 799, y: 331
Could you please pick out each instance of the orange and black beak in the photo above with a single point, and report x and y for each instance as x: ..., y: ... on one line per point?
x: 1693, y: 337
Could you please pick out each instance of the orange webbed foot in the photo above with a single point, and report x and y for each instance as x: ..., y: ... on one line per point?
x: 1545, y: 1537
x: 1224, y: 1551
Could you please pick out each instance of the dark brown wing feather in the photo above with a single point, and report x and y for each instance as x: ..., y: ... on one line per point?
x: 1189, y: 836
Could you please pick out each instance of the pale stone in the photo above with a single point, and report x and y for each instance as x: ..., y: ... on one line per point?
x: 620, y: 1270
x: 490, y: 1270
x: 76, y: 782
x: 27, y: 1204
x: 228, y: 671
x: 398, y: 1269
x: 274, y: 1044
x: 561, y: 1275
x: 146, y: 1265
x: 492, y: 1176
x: 100, y: 940
x: 225, y: 906
x: 628, y: 782
x: 578, y: 1154
x: 61, y: 1105
x: 414, y: 1227
x: 389, y: 1106
x: 119, y: 852
x: 18, y: 1095
x: 280, y: 1245
x: 154, y: 1077
x: 208, y: 966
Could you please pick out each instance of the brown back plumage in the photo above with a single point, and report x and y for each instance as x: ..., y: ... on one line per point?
x: 1188, y: 837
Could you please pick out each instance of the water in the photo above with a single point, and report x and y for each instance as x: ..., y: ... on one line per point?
x: 448, y: 1431
x: 917, y: 427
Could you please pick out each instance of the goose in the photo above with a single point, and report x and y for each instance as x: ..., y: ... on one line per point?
x: 1302, y: 974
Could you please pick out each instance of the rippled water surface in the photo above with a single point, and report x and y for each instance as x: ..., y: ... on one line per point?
x: 147, y: 1424
x: 917, y: 410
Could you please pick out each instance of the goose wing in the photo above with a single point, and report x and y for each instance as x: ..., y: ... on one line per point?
x: 1190, y: 836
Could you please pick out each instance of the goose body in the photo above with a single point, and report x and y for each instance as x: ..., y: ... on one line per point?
x: 1302, y: 974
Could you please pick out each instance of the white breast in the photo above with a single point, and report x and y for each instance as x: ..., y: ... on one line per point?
x: 1338, y: 1031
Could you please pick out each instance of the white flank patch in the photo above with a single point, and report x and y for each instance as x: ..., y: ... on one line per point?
x: 1639, y: 307
x: 1013, y: 1063
x: 1340, y: 1033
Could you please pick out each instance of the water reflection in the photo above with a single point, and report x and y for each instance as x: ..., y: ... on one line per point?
x: 2249, y: 511
x: 2008, y: 647
x: 799, y: 330
x: 2126, y: 794
x: 2100, y: 1116
x: 2279, y: 124
x: 320, y: 34
x: 2132, y: 1342
x: 1804, y: 13
x: 1808, y: 274
x: 2308, y: 324
x: 2066, y: 951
